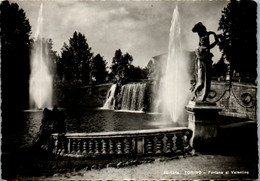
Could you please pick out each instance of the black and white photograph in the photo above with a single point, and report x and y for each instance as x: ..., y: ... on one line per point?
x: 129, y: 90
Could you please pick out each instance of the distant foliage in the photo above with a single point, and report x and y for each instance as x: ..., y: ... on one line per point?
x: 15, y: 52
x: 136, y: 73
x: 122, y: 69
x: 238, y: 40
x: 99, y: 71
x: 219, y: 69
x: 150, y: 69
x: 52, y: 55
x: 120, y: 66
x: 74, y: 63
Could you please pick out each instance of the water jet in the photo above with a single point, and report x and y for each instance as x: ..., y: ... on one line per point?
x: 40, y: 78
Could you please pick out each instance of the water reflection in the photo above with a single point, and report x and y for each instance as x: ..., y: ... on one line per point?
x: 87, y: 120
x: 96, y: 120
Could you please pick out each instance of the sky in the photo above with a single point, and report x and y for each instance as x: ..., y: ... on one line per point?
x: 140, y: 28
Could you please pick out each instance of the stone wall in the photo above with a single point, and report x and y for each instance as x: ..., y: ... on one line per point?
x: 235, y: 99
x: 89, y: 96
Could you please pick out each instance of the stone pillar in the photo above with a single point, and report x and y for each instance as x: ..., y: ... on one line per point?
x: 203, y: 122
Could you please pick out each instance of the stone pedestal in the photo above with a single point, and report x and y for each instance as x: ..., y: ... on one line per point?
x: 203, y: 122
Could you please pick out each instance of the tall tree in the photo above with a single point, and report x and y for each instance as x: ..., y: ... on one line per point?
x: 98, y: 69
x: 121, y: 65
x: 15, y: 70
x: 15, y: 67
x: 116, y: 63
x: 238, y: 40
x: 75, y: 59
x: 52, y: 55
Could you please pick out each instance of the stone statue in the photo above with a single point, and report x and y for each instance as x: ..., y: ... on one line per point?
x: 203, y: 62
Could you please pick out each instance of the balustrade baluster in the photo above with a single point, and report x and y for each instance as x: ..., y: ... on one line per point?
x: 128, y: 145
x: 179, y: 142
x: 97, y: 147
x: 104, y: 147
x: 174, y: 141
x: 60, y: 139
x: 186, y: 141
x: 169, y: 143
x: 62, y: 147
x: 132, y: 143
x: 69, y: 145
x: 55, y: 149
x: 149, y: 145
x: 159, y: 144
x: 111, y: 146
x: 73, y: 146
x: 90, y: 147
x: 78, y: 147
x: 84, y: 152
x: 188, y: 137
x: 119, y: 146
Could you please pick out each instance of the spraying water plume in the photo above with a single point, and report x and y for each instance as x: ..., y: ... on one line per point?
x: 40, y: 77
x: 175, y: 89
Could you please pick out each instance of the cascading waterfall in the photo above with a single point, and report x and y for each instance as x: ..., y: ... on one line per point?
x: 40, y: 77
x: 175, y: 89
x: 133, y: 97
x: 110, y: 98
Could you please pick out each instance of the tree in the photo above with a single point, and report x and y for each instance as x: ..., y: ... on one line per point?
x: 150, y: 68
x: 52, y: 55
x: 136, y: 73
x: 75, y: 59
x: 15, y: 70
x: 15, y: 47
x: 238, y: 39
x: 120, y: 65
x: 98, y: 69
x: 219, y: 69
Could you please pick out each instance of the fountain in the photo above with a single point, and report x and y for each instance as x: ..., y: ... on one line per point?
x: 132, y: 97
x: 40, y: 86
x: 110, y: 100
x: 123, y: 132
x: 174, y: 92
x: 40, y: 77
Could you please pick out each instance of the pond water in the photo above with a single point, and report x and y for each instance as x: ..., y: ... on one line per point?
x: 87, y: 120
x: 98, y: 120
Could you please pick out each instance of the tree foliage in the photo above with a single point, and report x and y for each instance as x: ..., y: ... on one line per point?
x: 238, y: 40
x: 74, y: 64
x: 121, y: 65
x: 15, y: 63
x: 136, y: 73
x: 98, y: 69
x: 219, y: 69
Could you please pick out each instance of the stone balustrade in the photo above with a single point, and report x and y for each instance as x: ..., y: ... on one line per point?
x: 139, y: 142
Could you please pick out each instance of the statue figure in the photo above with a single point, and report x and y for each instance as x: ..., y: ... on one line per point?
x: 203, y: 62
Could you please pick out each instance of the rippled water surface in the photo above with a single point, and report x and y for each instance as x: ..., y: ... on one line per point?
x: 90, y: 120
x: 96, y: 120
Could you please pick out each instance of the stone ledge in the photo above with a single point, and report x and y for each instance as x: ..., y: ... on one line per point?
x: 124, y: 133
x: 200, y: 106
